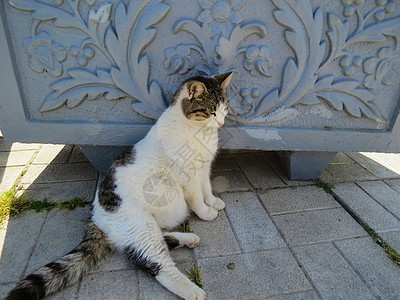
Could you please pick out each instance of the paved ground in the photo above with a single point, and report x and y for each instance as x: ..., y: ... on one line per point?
x: 276, y: 239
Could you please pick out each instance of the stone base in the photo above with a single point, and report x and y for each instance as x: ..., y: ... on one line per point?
x: 102, y: 157
x: 305, y: 165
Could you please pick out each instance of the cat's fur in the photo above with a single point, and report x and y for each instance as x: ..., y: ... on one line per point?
x: 129, y: 211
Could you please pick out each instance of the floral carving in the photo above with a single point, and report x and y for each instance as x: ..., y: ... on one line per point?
x: 257, y: 60
x: 126, y: 78
x: 220, y: 13
x: 45, y: 54
x: 381, y: 69
x: 120, y: 34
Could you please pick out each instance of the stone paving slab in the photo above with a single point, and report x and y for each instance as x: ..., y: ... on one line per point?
x: 365, y: 207
x: 392, y: 238
x: 216, y: 237
x: 334, y: 278
x: 8, y: 176
x: 225, y: 162
x: 229, y: 181
x: 252, y: 225
x: 7, y: 146
x: 59, y: 173
x: 394, y: 184
x: 61, y: 233
x: 378, y: 271
x: 317, y: 226
x: 258, y: 171
x: 275, y: 163
x: 297, y: 199
x: 254, y: 274
x: 19, y: 237
x: 16, y: 158
x: 110, y: 285
x: 52, y: 153
x: 384, y: 195
x: 61, y: 191
x: 308, y: 295
x: 346, y: 173
x: 77, y: 156
x: 375, y: 165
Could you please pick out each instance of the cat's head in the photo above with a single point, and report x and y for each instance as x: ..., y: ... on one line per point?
x: 203, y: 99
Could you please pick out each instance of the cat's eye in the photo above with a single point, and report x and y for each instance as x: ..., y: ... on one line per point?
x: 213, y: 114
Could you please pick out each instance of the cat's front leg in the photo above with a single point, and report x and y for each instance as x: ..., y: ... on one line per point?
x: 209, y: 198
x: 194, y: 196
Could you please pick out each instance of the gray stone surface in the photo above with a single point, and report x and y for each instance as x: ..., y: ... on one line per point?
x: 229, y: 181
x: 275, y: 162
x: 15, y: 158
x: 61, y: 233
x: 7, y: 146
x: 258, y: 171
x: 334, y: 278
x: 255, y: 274
x: 19, y: 238
x: 366, y: 207
x: 216, y: 237
x: 77, y: 156
x: 253, y: 227
x: 392, y: 238
x: 5, y: 288
x: 110, y: 285
x: 61, y: 191
x: 309, y: 295
x: 384, y: 195
x: 296, y: 199
x: 60, y: 173
x: 394, y: 184
x: 52, y: 154
x: 375, y: 165
x: 68, y: 293
x: 225, y: 162
x: 8, y: 176
x: 346, y: 173
x: 115, y: 262
x: 305, y: 165
x: 377, y: 269
x: 317, y: 226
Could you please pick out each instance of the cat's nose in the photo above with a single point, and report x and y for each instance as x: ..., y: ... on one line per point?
x: 220, y: 123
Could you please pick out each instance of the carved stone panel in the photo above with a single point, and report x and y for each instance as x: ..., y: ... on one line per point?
x: 304, y: 64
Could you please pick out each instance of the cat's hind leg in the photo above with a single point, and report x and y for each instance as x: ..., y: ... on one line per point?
x: 144, y: 245
x: 180, y: 239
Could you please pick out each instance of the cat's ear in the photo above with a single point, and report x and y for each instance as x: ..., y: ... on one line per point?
x: 196, y: 89
x: 223, y: 79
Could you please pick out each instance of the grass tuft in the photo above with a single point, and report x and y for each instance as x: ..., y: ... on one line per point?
x: 184, y: 227
x: 325, y: 185
x: 11, y: 204
x: 392, y: 253
x: 194, y: 275
x: 73, y: 203
x: 40, y: 205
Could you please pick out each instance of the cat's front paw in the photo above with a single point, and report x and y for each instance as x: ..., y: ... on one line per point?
x: 216, y: 203
x: 195, y: 293
x: 207, y: 214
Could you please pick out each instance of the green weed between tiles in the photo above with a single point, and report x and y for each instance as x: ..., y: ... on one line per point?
x: 11, y: 204
x: 325, y: 185
x: 377, y: 239
x: 194, y: 275
x: 184, y: 227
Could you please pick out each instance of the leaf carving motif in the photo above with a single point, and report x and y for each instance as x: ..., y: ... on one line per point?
x: 128, y: 77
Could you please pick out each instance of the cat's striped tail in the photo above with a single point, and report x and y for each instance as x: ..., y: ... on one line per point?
x: 67, y: 270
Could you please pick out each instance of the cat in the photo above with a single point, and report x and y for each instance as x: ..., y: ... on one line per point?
x: 150, y: 188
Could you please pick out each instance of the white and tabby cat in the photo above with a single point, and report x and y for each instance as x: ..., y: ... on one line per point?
x: 150, y: 189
